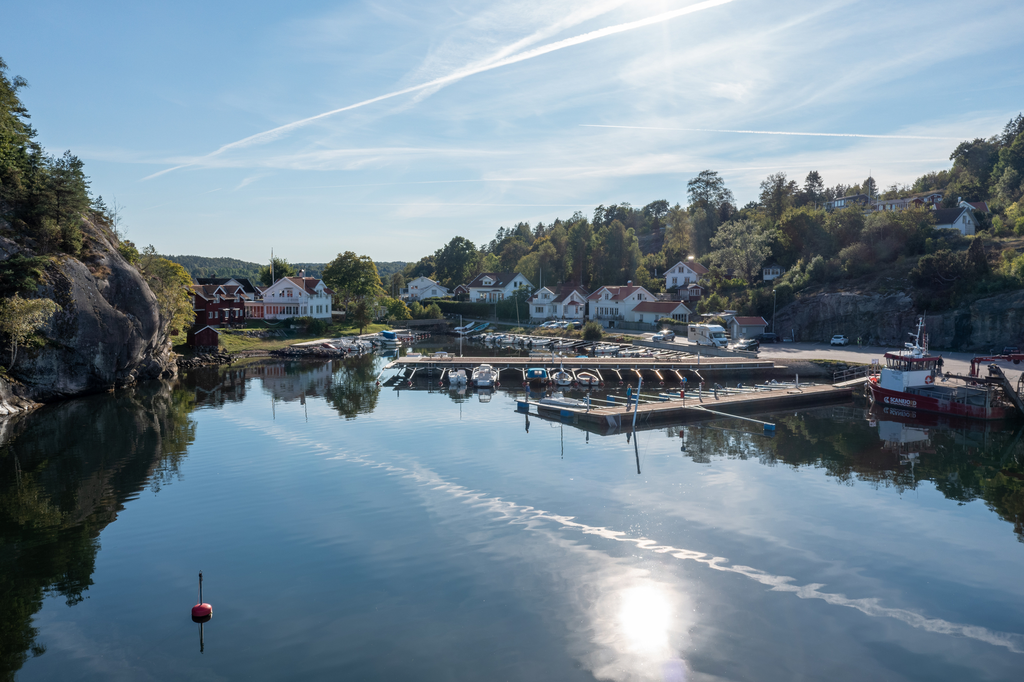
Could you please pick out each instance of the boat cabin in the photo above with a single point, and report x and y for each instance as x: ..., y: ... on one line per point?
x: 908, y: 370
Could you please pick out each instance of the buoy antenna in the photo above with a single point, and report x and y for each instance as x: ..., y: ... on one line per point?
x: 202, y: 611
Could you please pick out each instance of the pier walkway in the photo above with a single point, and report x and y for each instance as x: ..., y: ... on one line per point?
x: 613, y: 418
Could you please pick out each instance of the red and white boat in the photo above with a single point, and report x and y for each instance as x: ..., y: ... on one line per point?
x: 912, y: 379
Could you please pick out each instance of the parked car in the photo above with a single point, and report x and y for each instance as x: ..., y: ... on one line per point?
x: 575, y: 324
x: 1010, y: 350
x: 768, y: 337
x: 839, y: 340
x: 747, y: 344
x: 664, y: 335
x: 550, y: 324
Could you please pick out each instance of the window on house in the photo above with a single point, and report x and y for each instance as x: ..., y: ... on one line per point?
x: 539, y: 309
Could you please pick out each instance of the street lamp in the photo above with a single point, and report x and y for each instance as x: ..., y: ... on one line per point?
x: 773, y: 311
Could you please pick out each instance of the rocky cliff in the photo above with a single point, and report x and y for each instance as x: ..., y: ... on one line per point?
x: 879, y: 319
x: 107, y: 334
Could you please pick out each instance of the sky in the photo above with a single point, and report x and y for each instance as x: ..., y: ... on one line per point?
x: 387, y: 128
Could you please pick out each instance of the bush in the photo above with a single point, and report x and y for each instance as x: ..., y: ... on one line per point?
x: 593, y: 331
x: 668, y: 320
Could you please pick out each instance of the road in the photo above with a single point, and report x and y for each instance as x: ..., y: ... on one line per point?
x: 957, y: 363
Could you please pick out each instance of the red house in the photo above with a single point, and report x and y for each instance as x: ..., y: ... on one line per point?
x: 218, y: 304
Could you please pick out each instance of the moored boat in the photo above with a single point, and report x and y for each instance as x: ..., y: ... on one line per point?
x: 912, y: 379
x: 484, y: 376
x: 537, y: 375
x: 587, y: 379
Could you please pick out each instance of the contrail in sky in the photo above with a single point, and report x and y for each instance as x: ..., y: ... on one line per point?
x: 274, y: 133
x: 772, y: 132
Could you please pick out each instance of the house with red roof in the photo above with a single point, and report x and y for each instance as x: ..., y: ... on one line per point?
x: 683, y: 274
x: 609, y: 305
x: 741, y: 327
x: 980, y: 206
x: 296, y: 297
x: 559, y: 302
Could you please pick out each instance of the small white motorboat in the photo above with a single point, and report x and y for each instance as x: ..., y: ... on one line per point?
x: 457, y: 377
x: 557, y: 401
x: 484, y: 376
x: 587, y: 379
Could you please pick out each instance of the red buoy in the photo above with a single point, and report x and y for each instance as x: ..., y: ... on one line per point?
x: 201, y: 611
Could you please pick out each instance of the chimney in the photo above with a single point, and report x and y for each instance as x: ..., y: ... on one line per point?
x: 629, y: 283
x: 302, y: 273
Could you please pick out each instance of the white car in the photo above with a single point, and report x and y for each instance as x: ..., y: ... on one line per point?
x: 664, y: 335
x: 839, y: 340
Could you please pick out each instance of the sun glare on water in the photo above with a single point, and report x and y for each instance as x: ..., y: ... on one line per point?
x: 645, y: 618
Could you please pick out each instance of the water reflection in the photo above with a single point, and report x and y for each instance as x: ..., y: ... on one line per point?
x: 66, y: 472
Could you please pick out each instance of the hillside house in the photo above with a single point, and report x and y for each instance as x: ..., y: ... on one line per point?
x: 491, y: 287
x: 960, y: 218
x: 559, y: 302
x: 684, y: 273
x: 845, y: 202
x: 771, y: 272
x: 421, y: 288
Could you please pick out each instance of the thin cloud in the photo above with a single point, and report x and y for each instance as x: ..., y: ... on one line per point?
x: 275, y: 133
x: 771, y: 132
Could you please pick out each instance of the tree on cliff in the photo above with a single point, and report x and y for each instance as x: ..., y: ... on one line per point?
x: 172, y: 286
x: 21, y: 318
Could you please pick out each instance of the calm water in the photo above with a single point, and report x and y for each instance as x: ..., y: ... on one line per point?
x: 347, y: 531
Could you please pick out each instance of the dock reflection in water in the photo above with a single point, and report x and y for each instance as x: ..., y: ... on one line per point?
x: 419, y: 546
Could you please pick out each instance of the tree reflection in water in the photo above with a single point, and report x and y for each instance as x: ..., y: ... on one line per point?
x: 964, y: 460
x: 65, y: 473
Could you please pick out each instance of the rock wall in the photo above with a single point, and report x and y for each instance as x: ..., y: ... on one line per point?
x: 875, y: 319
x: 108, y: 333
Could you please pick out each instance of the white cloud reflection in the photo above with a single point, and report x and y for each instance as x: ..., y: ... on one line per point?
x: 623, y: 596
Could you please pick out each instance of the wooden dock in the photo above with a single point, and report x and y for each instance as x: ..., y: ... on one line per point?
x: 648, y: 414
x: 607, y: 367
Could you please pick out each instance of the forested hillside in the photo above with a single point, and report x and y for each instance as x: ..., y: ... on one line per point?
x: 789, y: 226
x: 203, y: 266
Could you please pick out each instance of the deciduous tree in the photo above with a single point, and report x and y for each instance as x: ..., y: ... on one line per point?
x: 20, y: 318
x: 352, y: 277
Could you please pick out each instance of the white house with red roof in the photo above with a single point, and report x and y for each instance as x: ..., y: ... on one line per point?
x: 491, y: 287
x: 296, y: 297
x: 684, y: 273
x: 559, y: 302
x: 609, y: 305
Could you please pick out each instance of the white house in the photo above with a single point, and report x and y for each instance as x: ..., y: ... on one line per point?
x: 490, y: 287
x: 423, y: 287
x: 560, y: 302
x: 683, y: 274
x: 609, y: 305
x: 652, y: 311
x: 770, y: 272
x: 959, y: 218
x: 297, y: 297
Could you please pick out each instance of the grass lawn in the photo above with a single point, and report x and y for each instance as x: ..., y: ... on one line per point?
x: 235, y: 342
